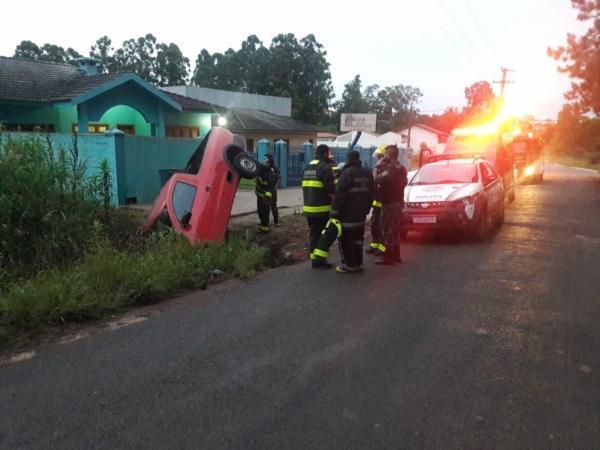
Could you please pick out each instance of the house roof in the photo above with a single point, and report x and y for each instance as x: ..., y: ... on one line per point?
x: 46, y: 82
x: 426, y: 127
x: 191, y: 104
x: 241, y: 120
x: 33, y: 81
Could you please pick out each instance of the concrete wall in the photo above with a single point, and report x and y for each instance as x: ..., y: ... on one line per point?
x: 282, y: 106
x: 141, y: 158
x: 93, y: 149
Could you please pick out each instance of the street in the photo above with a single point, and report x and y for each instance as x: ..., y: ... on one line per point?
x: 465, y: 345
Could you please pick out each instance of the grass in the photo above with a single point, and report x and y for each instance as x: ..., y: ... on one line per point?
x: 107, y: 280
x: 571, y: 161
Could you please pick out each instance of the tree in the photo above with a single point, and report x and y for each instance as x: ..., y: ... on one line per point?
x: 353, y: 100
x: 104, y: 51
x: 580, y: 58
x: 480, y: 99
x: 288, y: 67
x: 48, y: 52
x: 450, y: 119
x: 394, y: 105
x: 171, y: 67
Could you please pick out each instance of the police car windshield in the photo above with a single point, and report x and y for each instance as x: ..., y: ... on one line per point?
x: 446, y: 174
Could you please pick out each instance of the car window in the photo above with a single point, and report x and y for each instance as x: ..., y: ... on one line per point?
x: 446, y: 173
x: 183, y: 199
x: 193, y: 164
x: 487, y: 174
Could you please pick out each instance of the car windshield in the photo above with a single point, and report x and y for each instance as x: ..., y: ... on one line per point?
x: 446, y: 174
x: 193, y: 165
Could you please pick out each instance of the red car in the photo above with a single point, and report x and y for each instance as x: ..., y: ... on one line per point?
x: 197, y: 202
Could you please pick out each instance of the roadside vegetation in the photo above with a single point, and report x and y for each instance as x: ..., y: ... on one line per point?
x: 66, y: 255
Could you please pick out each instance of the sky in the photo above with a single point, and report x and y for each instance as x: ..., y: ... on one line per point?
x: 440, y: 46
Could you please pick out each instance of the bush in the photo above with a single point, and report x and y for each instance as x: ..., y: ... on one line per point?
x: 106, y: 280
x: 48, y: 211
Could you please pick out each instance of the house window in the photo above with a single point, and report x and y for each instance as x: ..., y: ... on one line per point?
x: 182, y: 131
x: 37, y: 127
x: 250, y: 145
x: 127, y: 129
x: 92, y: 128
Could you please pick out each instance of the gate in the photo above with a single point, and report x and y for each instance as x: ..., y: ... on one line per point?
x: 296, y: 164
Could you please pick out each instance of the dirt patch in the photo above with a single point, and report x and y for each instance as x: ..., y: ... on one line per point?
x: 286, y: 244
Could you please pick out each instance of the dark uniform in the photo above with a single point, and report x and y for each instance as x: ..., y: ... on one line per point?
x: 317, y: 188
x: 275, y: 183
x: 352, y: 202
x: 264, y: 194
x: 377, y: 238
x: 393, y: 180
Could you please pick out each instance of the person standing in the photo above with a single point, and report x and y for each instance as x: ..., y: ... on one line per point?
x: 392, y: 179
x: 275, y: 177
x: 376, y: 246
x: 425, y: 154
x: 317, y: 189
x: 264, y: 194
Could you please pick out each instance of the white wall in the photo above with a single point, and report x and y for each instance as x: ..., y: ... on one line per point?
x: 418, y: 135
x: 281, y: 106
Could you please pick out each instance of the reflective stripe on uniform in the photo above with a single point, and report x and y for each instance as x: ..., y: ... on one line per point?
x: 375, y: 245
x: 317, y: 209
x: 314, y: 161
x: 377, y: 204
x: 337, y: 224
x: 320, y: 253
x: 262, y: 228
x: 312, y: 183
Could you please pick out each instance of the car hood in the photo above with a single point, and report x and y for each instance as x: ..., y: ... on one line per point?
x: 439, y: 192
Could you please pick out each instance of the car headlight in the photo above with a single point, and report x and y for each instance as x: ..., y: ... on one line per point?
x: 529, y: 171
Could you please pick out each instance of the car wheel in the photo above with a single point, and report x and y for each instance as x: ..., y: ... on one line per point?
x: 245, y: 165
x: 511, y: 195
x: 480, y: 228
x: 500, y: 216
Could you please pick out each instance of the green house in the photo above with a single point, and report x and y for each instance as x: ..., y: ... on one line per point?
x: 63, y: 98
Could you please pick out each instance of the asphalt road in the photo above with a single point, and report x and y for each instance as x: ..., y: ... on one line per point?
x: 465, y: 345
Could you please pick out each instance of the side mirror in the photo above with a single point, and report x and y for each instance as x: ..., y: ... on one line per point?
x: 185, y: 220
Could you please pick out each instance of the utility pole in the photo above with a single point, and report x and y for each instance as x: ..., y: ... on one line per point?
x: 503, y: 82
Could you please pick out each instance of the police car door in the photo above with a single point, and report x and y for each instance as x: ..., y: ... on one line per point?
x: 492, y: 184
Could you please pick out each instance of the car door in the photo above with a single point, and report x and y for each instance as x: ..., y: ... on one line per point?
x: 492, y: 185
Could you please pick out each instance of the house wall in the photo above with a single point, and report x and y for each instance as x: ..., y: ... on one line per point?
x: 29, y: 114
x: 296, y: 139
x: 126, y: 115
x: 418, y: 135
x: 190, y: 119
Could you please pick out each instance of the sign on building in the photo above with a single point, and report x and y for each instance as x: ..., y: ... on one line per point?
x: 358, y: 122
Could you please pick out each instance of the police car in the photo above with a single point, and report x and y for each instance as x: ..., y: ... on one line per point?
x: 454, y: 194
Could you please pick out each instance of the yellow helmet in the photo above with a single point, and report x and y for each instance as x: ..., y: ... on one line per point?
x: 379, y: 151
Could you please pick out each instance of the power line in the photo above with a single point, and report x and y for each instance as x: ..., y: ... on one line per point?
x: 449, y: 36
x: 460, y: 28
x: 485, y: 38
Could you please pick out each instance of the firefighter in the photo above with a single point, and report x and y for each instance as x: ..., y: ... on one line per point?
x: 265, y: 181
x: 351, y: 204
x: 392, y: 179
x: 376, y: 246
x: 274, y: 184
x: 317, y: 189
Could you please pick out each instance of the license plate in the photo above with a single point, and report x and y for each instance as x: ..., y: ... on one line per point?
x: 424, y: 219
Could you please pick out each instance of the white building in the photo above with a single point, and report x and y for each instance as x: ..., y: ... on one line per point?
x: 435, y: 139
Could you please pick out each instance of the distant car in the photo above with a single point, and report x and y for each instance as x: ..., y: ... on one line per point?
x: 450, y: 194
x: 529, y: 158
x: 197, y: 202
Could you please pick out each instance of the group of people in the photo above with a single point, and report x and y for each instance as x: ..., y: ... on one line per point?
x: 337, y: 202
x: 336, y: 207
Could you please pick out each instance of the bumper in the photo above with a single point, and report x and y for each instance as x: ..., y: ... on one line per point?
x: 439, y: 218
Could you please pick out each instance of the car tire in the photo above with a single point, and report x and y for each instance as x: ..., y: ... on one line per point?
x: 500, y: 216
x: 480, y: 228
x: 245, y: 165
x: 511, y: 195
